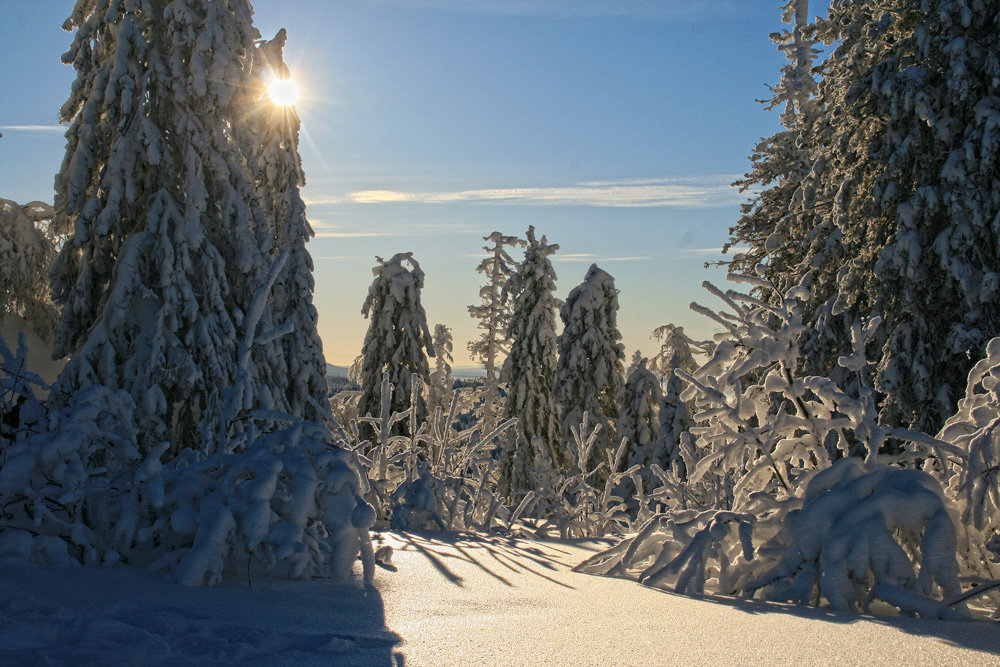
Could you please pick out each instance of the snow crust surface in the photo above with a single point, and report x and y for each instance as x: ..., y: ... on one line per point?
x: 450, y: 600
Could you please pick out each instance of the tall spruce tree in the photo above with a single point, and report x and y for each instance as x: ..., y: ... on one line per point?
x: 398, y: 341
x: 675, y: 416
x: 439, y: 389
x: 530, y: 369
x: 899, y: 205
x: 590, y: 367
x: 639, y: 420
x: 928, y: 203
x: 493, y: 313
x: 161, y: 262
x: 785, y: 229
x: 780, y: 162
x: 271, y: 135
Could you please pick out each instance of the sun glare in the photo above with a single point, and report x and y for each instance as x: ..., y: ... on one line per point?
x: 284, y: 92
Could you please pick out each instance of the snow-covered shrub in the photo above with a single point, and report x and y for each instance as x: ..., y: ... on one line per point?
x: 762, y: 429
x: 438, y: 476
x: 344, y: 406
x: 587, y: 502
x: 681, y: 550
x: 975, y: 479
x: 56, y: 486
x: 862, y: 530
x: 291, y: 502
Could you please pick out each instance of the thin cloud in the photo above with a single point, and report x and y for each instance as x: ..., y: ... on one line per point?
x: 693, y: 192
x: 702, y: 251
x: 583, y: 257
x: 405, y: 230
x: 33, y: 128
x: 338, y: 234
x: 733, y: 250
x: 708, y: 179
x: 319, y: 200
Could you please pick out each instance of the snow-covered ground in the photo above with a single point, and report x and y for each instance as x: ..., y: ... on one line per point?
x: 451, y: 600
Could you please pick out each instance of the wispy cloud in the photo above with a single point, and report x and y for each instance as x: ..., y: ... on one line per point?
x: 342, y: 231
x: 690, y: 192
x: 321, y: 199
x: 702, y: 251
x: 586, y: 257
x: 733, y: 250
x: 342, y: 234
x: 32, y: 128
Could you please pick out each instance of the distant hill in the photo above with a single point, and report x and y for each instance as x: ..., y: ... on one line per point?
x: 336, y: 371
x: 464, y: 372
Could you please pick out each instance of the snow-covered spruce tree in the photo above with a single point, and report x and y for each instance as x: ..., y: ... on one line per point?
x: 900, y: 197
x: 270, y: 135
x: 440, y: 385
x: 589, y: 371
x: 675, y: 416
x: 161, y: 263
x: 639, y: 420
x: 27, y: 250
x: 787, y: 227
x: 493, y: 314
x: 530, y: 369
x: 398, y: 341
x: 933, y: 208
x: 781, y: 161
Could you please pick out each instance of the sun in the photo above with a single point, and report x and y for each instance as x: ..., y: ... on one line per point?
x: 283, y: 92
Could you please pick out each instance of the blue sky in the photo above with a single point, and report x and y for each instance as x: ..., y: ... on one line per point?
x: 612, y: 126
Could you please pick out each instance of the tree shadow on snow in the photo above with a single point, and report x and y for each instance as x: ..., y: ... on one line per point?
x: 122, y: 614
x: 976, y: 635
x: 506, y: 554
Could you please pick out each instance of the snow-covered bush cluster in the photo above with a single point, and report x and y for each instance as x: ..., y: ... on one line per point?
x: 796, y: 492
x: 288, y: 503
